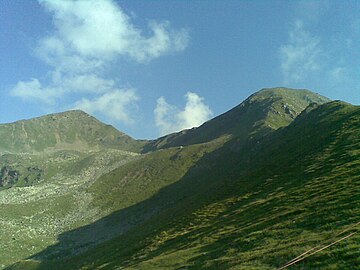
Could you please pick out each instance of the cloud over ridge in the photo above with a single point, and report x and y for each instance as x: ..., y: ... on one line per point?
x: 169, y: 118
x: 116, y: 104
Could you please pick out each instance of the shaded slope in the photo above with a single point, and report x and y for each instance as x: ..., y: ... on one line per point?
x: 262, y: 212
x: 73, y: 130
x: 132, y: 190
x: 266, y: 110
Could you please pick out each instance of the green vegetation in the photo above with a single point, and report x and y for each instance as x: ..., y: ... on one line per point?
x: 264, y: 111
x: 246, y: 197
x: 72, y: 130
x: 266, y: 214
x: 34, y: 213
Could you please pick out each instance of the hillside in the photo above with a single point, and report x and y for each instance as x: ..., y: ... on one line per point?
x: 274, y: 188
x: 25, y: 143
x: 264, y: 111
x: 259, y: 214
x: 46, y: 165
x: 50, y: 197
x: 71, y: 130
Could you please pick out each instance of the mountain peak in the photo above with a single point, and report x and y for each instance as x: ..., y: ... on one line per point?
x: 302, y: 95
x: 73, y: 112
x: 66, y: 114
x: 74, y: 129
x: 262, y: 112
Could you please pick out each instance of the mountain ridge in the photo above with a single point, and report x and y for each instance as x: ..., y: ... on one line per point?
x: 271, y: 108
x: 252, y: 211
x: 225, y: 203
x: 69, y: 130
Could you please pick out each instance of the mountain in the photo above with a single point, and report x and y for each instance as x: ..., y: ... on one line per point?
x: 264, y: 111
x: 71, y: 130
x: 299, y: 193
x: 255, y: 199
x: 27, y: 146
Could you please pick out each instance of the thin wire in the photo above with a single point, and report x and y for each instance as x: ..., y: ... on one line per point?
x: 298, y: 260
x: 302, y: 257
x: 306, y: 252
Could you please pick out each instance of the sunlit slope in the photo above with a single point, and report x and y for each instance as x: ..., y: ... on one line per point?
x: 46, y: 165
x: 71, y: 130
x: 266, y: 110
x: 297, y: 190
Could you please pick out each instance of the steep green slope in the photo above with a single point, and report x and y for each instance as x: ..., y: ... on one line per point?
x: 266, y: 110
x: 147, y: 176
x: 72, y: 130
x: 185, y: 206
x: 264, y: 204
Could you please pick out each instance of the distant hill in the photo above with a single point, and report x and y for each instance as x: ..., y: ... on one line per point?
x: 264, y: 111
x: 73, y: 130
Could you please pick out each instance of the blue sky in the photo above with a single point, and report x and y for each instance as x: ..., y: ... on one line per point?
x: 154, y: 67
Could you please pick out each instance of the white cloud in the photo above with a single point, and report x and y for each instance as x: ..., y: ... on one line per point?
x: 170, y: 119
x: 100, y: 30
x: 117, y: 104
x: 164, y: 116
x: 33, y: 90
x: 89, y: 36
x: 89, y: 83
x: 301, y: 56
x: 61, y: 85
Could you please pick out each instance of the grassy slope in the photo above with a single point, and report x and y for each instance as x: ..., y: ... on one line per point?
x: 56, y: 135
x: 132, y: 192
x: 262, y: 216
x: 72, y: 130
x: 55, y: 158
x: 146, y: 177
x: 266, y: 110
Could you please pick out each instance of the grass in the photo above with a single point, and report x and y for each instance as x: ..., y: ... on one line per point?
x: 254, y: 198
x: 141, y: 179
x: 251, y: 207
x: 72, y: 130
x: 264, y: 111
